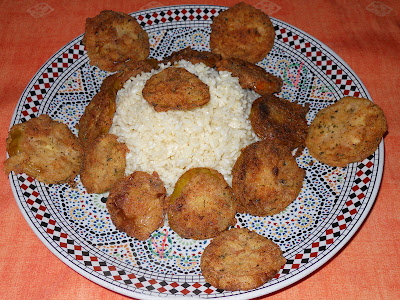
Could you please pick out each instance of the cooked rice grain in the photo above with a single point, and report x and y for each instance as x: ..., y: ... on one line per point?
x: 174, y: 141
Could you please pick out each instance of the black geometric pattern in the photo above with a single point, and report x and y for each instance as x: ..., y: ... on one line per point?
x: 177, y: 15
x: 314, y: 54
x: 49, y: 76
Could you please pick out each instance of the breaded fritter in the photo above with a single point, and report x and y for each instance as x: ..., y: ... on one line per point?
x: 112, y: 82
x: 113, y: 38
x: 266, y: 178
x: 243, y: 32
x: 104, y: 164
x: 348, y: 131
x: 97, y: 117
x: 278, y: 120
x: 136, y: 204
x: 117, y: 80
x: 240, y: 259
x: 44, y: 149
x: 195, y: 57
x: 202, y: 204
x: 175, y: 89
x: 251, y: 76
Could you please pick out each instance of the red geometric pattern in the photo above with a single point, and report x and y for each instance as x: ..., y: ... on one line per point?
x: 314, y: 54
x: 48, y: 77
x: 176, y: 15
x: 83, y: 256
x: 349, y: 210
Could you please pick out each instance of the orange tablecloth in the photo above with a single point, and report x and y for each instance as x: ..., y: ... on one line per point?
x: 365, y: 33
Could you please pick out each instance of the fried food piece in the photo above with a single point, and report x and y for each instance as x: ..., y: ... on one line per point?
x: 175, y: 89
x: 113, y: 38
x: 104, y: 164
x: 251, y: 76
x: 136, y: 204
x: 97, y: 117
x: 278, y: 120
x: 195, y: 57
x: 202, y: 204
x: 44, y: 149
x: 112, y: 82
x: 240, y: 259
x: 348, y: 131
x: 243, y: 32
x: 266, y: 178
x: 116, y: 81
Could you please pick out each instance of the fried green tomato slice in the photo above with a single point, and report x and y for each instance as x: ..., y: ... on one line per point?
x: 117, y: 80
x: 104, y: 164
x: 44, y: 149
x: 278, y: 120
x: 348, y: 131
x: 202, y: 204
x: 195, y: 57
x: 251, y: 76
x: 97, y: 117
x: 266, y: 179
x: 113, y: 38
x: 175, y: 89
x: 240, y: 259
x: 136, y: 204
x: 242, y: 31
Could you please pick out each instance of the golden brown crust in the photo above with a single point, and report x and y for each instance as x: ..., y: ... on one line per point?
x: 243, y: 32
x: 175, y: 89
x: 240, y: 259
x: 251, y: 76
x: 348, y: 131
x: 136, y: 204
x: 44, y: 149
x: 202, y: 204
x: 104, y: 164
x: 99, y: 114
x: 97, y: 117
x: 117, y: 80
x: 195, y: 57
x: 266, y: 178
x: 279, y: 121
x: 113, y: 38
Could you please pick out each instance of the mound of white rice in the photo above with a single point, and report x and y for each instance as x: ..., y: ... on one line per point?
x: 174, y: 141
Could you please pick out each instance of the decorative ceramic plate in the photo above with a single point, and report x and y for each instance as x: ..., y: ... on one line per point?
x: 76, y: 226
